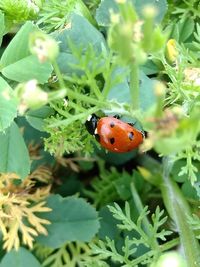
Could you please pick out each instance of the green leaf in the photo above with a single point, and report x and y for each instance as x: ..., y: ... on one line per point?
x: 121, y: 91
x: 107, y: 6
x: 104, y: 10
x: 8, y: 105
x: 72, y: 219
x: 20, y: 258
x: 14, y: 156
x: 17, y: 57
x: 36, y: 117
x: 81, y: 34
x: 150, y: 68
x: 2, y: 28
x: 160, y: 5
x: 108, y: 225
x: 19, y: 72
x: 186, y: 28
x: 65, y: 62
x: 18, y: 48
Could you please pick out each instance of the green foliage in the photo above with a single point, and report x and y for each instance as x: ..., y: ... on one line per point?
x: 194, y: 222
x: 137, y: 59
x: 16, y: 57
x: 131, y: 245
x: 20, y: 10
x: 71, y: 254
x: 8, y: 104
x: 14, y: 156
x: 20, y: 258
x: 67, y: 224
x: 55, y: 14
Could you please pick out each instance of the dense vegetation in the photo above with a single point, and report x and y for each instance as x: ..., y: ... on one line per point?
x: 65, y: 200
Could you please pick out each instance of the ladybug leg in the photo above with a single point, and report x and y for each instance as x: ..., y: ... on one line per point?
x: 116, y: 116
x: 132, y: 123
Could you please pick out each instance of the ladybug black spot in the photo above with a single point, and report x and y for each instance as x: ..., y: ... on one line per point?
x: 112, y: 140
x: 131, y: 136
x: 112, y: 124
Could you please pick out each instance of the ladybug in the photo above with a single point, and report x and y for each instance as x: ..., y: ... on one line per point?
x: 114, y: 134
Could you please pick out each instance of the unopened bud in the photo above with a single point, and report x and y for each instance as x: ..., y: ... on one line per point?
x: 171, y: 51
x: 170, y: 259
x: 43, y: 46
x: 159, y: 89
x: 149, y: 12
x: 30, y: 96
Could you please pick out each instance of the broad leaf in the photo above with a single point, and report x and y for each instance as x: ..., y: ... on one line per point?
x: 106, y: 7
x: 18, y: 71
x: 14, y: 156
x: 8, y: 105
x: 20, y: 258
x: 121, y: 92
x: 72, y: 219
x: 36, y: 117
x: 18, y: 64
x: 81, y: 34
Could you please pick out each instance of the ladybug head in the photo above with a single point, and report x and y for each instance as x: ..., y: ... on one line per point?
x: 91, y: 123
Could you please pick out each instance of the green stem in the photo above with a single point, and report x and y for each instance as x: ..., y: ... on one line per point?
x: 170, y: 244
x: 140, y: 208
x: 58, y: 74
x: 134, y: 85
x: 85, y: 98
x: 179, y: 210
x: 80, y: 116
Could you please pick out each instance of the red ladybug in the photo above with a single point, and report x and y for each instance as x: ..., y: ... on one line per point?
x: 114, y: 134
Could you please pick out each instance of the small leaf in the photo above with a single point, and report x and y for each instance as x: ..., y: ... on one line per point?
x: 20, y: 258
x: 18, y: 48
x: 8, y: 105
x: 19, y: 72
x: 72, y: 219
x: 14, y: 156
x: 186, y: 28
x: 18, y: 64
x: 36, y: 117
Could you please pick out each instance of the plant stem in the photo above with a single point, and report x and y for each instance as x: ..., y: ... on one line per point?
x: 79, y: 116
x: 140, y: 208
x: 85, y: 98
x: 134, y: 85
x: 179, y: 210
x: 58, y: 74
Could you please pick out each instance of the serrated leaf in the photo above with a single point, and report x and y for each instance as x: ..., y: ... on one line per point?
x: 20, y: 258
x: 72, y: 219
x: 36, y: 117
x: 14, y: 156
x: 18, y: 64
x: 8, y: 105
